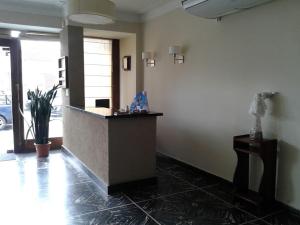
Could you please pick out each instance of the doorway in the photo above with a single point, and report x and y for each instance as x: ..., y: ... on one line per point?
x: 11, y: 139
x: 6, y: 119
x: 26, y: 64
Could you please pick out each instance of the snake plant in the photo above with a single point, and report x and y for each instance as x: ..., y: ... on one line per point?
x: 40, y: 109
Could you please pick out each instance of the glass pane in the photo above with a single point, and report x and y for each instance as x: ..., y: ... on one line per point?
x: 6, y: 129
x: 97, y: 81
x: 98, y: 92
x: 40, y: 63
x: 97, y: 47
x: 98, y: 70
x: 97, y: 59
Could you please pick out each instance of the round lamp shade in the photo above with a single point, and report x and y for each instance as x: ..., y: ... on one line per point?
x: 146, y: 55
x: 91, y: 11
x: 174, y: 50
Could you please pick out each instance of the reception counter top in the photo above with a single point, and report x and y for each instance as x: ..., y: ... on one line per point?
x: 117, y: 149
x: 106, y: 113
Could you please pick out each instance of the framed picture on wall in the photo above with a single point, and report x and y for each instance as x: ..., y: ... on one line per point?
x: 126, y: 63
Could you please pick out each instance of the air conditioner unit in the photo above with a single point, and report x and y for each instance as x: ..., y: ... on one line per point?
x: 213, y: 9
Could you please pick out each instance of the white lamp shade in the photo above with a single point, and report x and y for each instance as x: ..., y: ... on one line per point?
x: 174, y: 50
x: 15, y: 33
x: 146, y: 55
x: 91, y: 11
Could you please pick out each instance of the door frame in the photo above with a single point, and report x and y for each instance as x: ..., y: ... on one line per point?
x: 16, y: 91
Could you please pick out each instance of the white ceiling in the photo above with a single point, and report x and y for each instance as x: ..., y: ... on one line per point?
x: 133, y: 6
x: 140, y: 6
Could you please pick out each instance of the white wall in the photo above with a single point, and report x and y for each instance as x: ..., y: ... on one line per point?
x: 128, y: 79
x: 205, y: 101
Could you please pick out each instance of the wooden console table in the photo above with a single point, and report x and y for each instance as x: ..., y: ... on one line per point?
x: 267, y: 151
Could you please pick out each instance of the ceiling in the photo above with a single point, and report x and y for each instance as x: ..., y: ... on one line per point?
x: 140, y: 6
x: 132, y: 6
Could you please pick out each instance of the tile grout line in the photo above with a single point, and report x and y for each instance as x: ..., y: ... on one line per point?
x: 229, y: 204
x: 142, y: 210
x: 215, y: 196
x: 271, y: 214
x: 211, y: 194
x: 243, y: 210
x: 179, y: 178
x: 251, y: 221
x: 102, y: 210
x: 164, y: 196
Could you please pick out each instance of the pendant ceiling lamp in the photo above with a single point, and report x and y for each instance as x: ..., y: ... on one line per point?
x: 91, y: 11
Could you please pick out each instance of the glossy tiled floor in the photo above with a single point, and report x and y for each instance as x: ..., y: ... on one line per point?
x: 54, y: 191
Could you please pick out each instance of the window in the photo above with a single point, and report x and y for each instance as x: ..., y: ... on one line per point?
x: 39, y: 63
x: 98, y: 70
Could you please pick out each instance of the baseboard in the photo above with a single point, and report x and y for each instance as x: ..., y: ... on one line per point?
x: 107, y: 189
x: 194, y: 168
x: 289, y: 209
x: 120, y: 187
x: 79, y: 164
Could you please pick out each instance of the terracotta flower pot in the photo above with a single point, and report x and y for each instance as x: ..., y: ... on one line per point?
x: 42, y: 150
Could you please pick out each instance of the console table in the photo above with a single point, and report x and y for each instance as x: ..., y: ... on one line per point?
x: 267, y: 151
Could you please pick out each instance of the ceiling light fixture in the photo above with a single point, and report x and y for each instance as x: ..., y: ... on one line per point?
x: 91, y: 11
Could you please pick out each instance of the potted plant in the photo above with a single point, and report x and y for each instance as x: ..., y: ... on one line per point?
x: 40, y: 109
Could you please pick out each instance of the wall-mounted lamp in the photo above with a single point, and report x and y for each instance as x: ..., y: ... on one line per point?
x: 15, y: 33
x: 148, y: 57
x: 177, y: 54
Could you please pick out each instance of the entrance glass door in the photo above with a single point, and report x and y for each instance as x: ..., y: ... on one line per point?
x: 11, y: 121
x: 6, y: 117
x: 36, y: 66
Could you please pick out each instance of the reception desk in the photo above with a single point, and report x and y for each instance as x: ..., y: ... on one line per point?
x: 117, y: 149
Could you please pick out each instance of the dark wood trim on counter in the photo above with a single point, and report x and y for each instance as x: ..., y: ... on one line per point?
x: 115, y: 188
x: 119, y: 116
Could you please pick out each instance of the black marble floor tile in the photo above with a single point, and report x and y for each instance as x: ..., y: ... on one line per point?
x: 38, y: 174
x: 193, y: 176
x: 187, y: 173
x: 165, y: 162
x: 126, y: 215
x: 166, y: 185
x: 194, y: 208
x: 258, y: 212
x: 283, y: 218
x: 56, y: 189
x: 257, y: 222
x: 82, y: 198
x: 223, y: 190
x: 49, y: 190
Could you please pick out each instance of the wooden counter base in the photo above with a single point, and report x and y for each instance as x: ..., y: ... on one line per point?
x: 117, y: 151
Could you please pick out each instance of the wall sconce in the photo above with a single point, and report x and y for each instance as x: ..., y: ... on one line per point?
x: 176, y: 52
x: 15, y: 33
x: 148, y: 58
